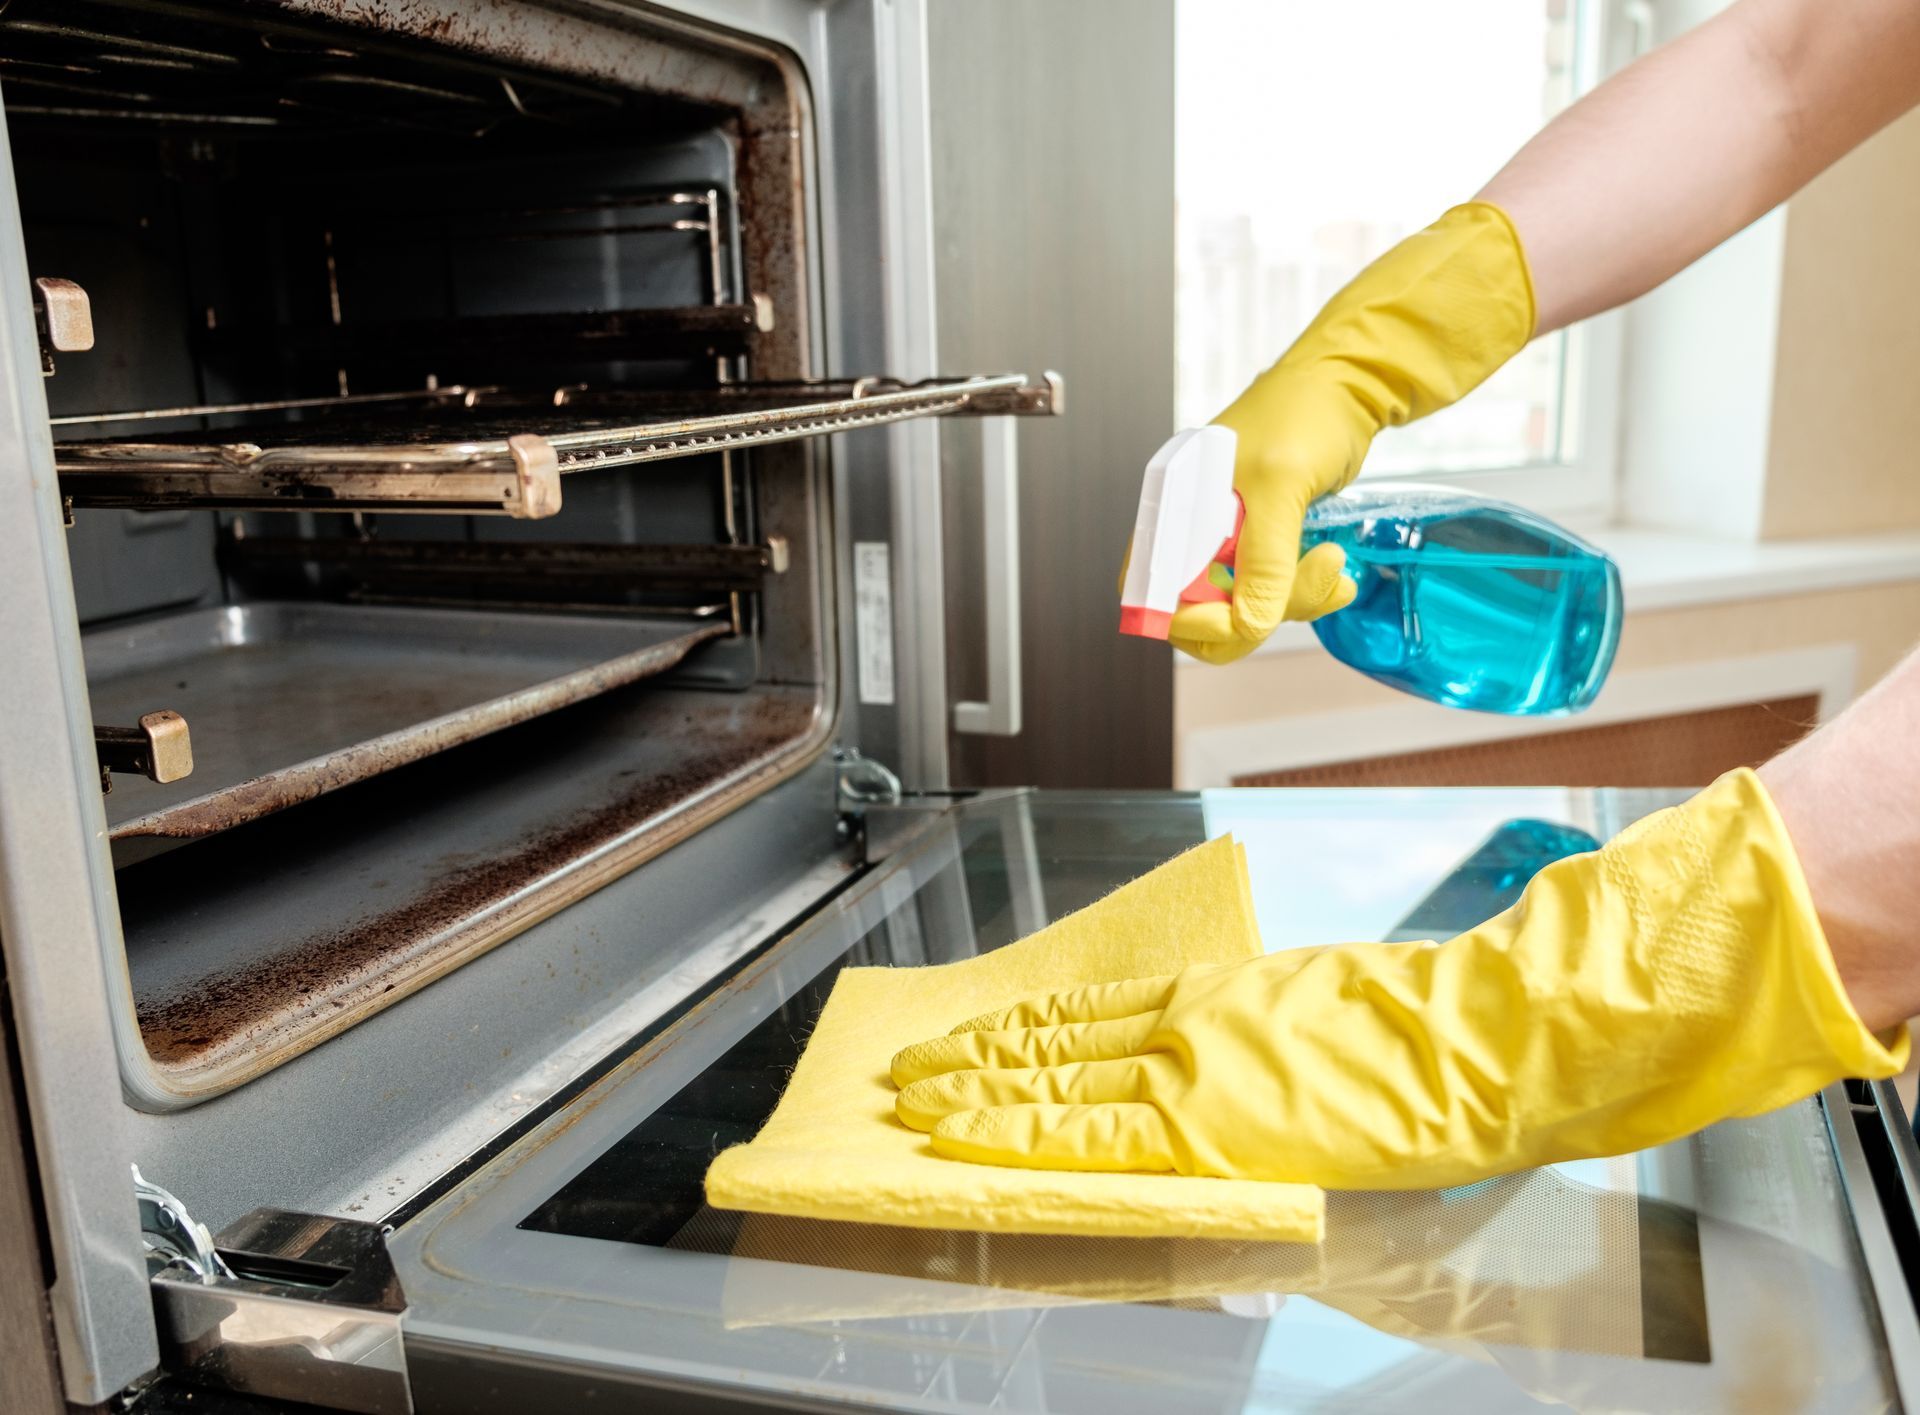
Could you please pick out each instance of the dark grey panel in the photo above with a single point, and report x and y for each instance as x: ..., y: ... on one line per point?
x: 116, y: 231
x: 1053, y: 213
x: 126, y: 562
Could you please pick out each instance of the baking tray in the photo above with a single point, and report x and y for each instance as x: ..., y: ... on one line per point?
x: 251, y: 947
x: 286, y: 701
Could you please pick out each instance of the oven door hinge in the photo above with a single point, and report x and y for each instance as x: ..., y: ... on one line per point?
x: 284, y: 1305
x: 861, y: 782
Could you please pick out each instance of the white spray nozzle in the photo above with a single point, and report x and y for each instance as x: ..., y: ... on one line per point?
x: 1186, y: 514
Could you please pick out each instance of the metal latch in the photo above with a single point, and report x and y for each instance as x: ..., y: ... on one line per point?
x: 159, y: 748
x: 171, y: 1234
x: 65, y: 319
x: 284, y: 1305
x: 863, y: 782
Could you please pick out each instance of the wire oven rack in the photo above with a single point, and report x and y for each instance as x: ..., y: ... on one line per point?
x: 486, y: 450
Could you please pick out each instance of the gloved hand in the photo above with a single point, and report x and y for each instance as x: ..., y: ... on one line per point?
x: 1672, y: 978
x: 1320, y: 586
x: 1415, y: 331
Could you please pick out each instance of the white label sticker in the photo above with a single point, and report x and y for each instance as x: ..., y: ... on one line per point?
x: 873, y: 619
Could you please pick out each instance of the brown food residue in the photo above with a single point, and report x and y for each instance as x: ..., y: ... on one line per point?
x: 353, y: 965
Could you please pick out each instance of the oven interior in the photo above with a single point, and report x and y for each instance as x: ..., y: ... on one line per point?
x: 458, y: 494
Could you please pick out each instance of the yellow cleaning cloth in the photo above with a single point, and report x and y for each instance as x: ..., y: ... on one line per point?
x: 833, y: 1149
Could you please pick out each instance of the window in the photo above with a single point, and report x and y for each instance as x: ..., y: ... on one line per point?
x: 1311, y: 136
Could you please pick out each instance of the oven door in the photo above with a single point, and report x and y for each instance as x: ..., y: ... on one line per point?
x: 1752, y: 1265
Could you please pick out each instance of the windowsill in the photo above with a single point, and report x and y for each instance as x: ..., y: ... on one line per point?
x: 1666, y: 570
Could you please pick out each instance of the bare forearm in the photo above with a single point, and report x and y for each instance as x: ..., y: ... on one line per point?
x: 1850, y: 795
x: 1685, y: 147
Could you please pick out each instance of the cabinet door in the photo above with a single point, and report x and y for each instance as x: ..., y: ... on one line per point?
x: 1053, y: 220
x: 29, y: 1379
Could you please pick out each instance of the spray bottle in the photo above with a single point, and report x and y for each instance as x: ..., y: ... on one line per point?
x: 1462, y: 600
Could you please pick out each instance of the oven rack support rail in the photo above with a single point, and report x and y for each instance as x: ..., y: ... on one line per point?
x: 288, y: 468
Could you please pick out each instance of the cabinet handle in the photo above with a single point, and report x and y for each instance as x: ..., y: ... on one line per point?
x: 999, y: 715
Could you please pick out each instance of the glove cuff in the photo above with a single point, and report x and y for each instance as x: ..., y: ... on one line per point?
x: 1701, y: 974
x: 1518, y: 288
x: 1728, y: 943
x: 1836, y: 1042
x: 1421, y: 327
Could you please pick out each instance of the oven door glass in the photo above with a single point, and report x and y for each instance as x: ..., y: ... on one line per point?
x: 1722, y: 1272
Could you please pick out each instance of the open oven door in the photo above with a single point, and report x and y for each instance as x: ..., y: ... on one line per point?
x: 1763, y: 1260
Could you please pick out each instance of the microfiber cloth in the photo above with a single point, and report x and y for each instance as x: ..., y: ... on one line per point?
x: 833, y: 1149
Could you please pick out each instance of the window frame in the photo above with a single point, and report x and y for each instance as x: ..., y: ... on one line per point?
x: 1580, y: 488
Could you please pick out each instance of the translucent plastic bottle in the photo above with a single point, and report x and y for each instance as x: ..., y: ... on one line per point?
x: 1466, y: 601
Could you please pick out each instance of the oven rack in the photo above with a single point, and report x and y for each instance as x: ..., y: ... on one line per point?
x: 491, y: 451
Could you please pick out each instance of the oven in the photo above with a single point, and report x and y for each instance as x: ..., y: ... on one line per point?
x: 476, y: 484
x: 472, y: 610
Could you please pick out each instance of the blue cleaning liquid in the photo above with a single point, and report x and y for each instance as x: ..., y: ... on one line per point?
x: 1468, y: 602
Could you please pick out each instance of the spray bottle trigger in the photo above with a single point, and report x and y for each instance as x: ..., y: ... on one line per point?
x: 1214, y: 585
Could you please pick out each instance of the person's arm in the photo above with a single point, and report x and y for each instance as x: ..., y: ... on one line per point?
x: 1720, y: 958
x: 1642, y: 176
x: 1685, y: 147
x: 1635, y: 182
x: 1677, y: 976
x: 1850, y: 797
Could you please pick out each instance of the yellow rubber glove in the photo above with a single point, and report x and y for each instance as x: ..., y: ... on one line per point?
x: 1417, y: 330
x: 1320, y: 586
x: 1633, y: 995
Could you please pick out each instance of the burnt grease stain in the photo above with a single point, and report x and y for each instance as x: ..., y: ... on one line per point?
x: 303, y: 984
